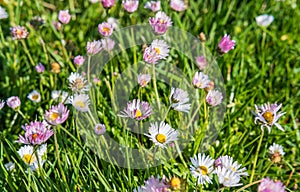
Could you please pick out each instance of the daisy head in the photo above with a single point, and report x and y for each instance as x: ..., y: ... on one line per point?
x: 34, y: 96
x: 57, y: 114
x: 264, y: 20
x: 226, y: 44
x: 228, y: 163
x: 200, y: 80
x: 160, y: 23
x: 93, y: 47
x: 108, y: 44
x: 108, y: 3
x: 19, y: 32
x: 32, y: 158
x: 152, y: 5
x: 162, y: 134
x: 267, y: 115
x: 214, y: 97
x: 144, y: 79
x: 137, y: 110
x: 201, y: 62
x: 179, y: 100
x: 227, y: 177
x: 202, y: 168
x: 40, y: 68
x: 155, y: 184
x: 268, y: 185
x: 100, y: 129
x: 130, y: 5
x: 80, y: 102
x: 77, y: 83
x: 36, y: 133
x: 156, y: 51
x: 79, y: 60
x: 13, y: 102
x: 64, y: 16
x: 276, y: 152
x: 178, y: 5
x: 105, y: 29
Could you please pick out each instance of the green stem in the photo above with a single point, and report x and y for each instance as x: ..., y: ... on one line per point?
x: 57, y: 154
x: 155, y: 87
x: 266, y: 171
x: 248, y: 185
x: 27, y: 52
x: 167, y: 113
x: 22, y: 114
x: 256, y: 156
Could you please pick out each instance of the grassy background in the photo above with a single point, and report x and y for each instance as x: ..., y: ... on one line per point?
x: 264, y: 67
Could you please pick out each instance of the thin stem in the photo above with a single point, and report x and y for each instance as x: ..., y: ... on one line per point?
x: 57, y: 154
x: 22, y: 114
x: 88, y: 70
x: 154, y: 85
x: 27, y: 52
x: 221, y: 189
x: 266, y: 171
x: 195, y: 113
x: 256, y: 156
x: 167, y: 113
x: 248, y: 185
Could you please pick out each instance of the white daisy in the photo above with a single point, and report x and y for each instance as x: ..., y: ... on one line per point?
x: 34, y: 96
x: 3, y: 13
x: 137, y: 110
x: 9, y: 166
x: 31, y: 158
x: 264, y: 20
x: 202, y: 168
x: 162, y: 134
x: 78, y: 83
x: 179, y: 100
x: 201, y: 80
x: 161, y: 48
x: 276, y: 152
x: 227, y: 177
x: 227, y: 162
x: 144, y: 79
x: 56, y: 94
x: 214, y: 97
x: 80, y: 102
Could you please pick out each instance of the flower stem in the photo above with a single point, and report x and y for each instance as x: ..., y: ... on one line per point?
x: 166, y: 113
x: 256, y: 155
x: 266, y: 171
x: 27, y: 52
x: 248, y: 185
x: 57, y: 154
x: 22, y: 114
x: 154, y: 85
x: 88, y: 70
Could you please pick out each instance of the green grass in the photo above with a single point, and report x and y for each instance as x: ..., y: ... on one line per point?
x: 264, y: 67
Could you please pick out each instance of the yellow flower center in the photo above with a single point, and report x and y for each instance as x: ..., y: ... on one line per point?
x: 53, y: 116
x: 161, y: 21
x: 35, y: 97
x: 19, y: 32
x: 34, y: 136
x: 28, y: 158
x: 203, y: 170
x: 157, y: 50
x: 79, y: 83
x: 175, y: 182
x: 161, y: 138
x: 138, y: 113
x: 79, y: 104
x: 106, y: 29
x: 276, y: 157
x: 233, y: 169
x: 199, y: 84
x: 268, y: 116
x: 227, y: 178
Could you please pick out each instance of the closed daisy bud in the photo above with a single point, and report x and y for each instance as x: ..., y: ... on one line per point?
x: 276, y: 152
x: 202, y: 37
x: 13, y: 102
x: 93, y: 47
x: 108, y: 3
x: 64, y: 16
x: 57, y: 25
x: 226, y: 44
x: 100, y: 129
x: 210, y: 86
x: 79, y: 60
x: 55, y: 67
x: 19, y: 32
x: 130, y: 5
x: 34, y: 96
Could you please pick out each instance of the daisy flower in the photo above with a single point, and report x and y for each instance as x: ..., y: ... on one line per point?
x: 108, y: 44
x: 201, y: 62
x: 40, y: 68
x: 130, y: 5
x: 105, y: 29
x: 202, y: 168
x: 267, y: 115
x: 13, y: 102
x: 57, y: 114
x: 175, y: 183
x: 201, y: 80
x: 153, y: 5
x: 162, y: 134
x: 160, y: 23
x: 137, y: 110
x: 36, y: 133
x: 144, y: 79
x: 276, y: 152
x: 178, y: 5
x: 179, y: 100
x: 56, y: 94
x: 80, y: 102
x: 19, y: 32
x: 114, y: 22
x: 9, y: 166
x: 226, y: 44
x: 31, y: 158
x: 157, y: 50
x: 79, y: 60
x: 267, y: 185
x: 108, y: 3
x: 214, y: 97
x: 155, y: 185
x: 93, y: 48
x: 264, y: 20
x: 77, y: 83
x: 34, y: 96
x: 100, y: 129
x: 64, y: 16
x: 227, y: 177
x: 3, y: 13
x: 228, y: 163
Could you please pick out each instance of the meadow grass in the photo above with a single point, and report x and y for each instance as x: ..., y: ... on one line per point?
x: 263, y: 67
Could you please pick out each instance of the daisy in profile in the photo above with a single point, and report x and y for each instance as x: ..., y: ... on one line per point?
x: 3, y: 13
x: 94, y: 47
x: 267, y: 185
x: 179, y: 100
x: 144, y: 79
x: 228, y: 163
x: 202, y: 168
x: 276, y: 152
x: 57, y: 114
x: 80, y: 102
x: 227, y: 177
x: 156, y: 51
x: 130, y: 5
x: 137, y: 110
x: 214, y: 97
x: 57, y: 94
x: 201, y: 62
x: 36, y: 133
x: 108, y: 44
x: 267, y: 115
x: 200, y: 80
x: 153, y: 5
x: 264, y: 20
x: 32, y: 159
x: 160, y: 23
x: 162, y: 134
x: 34, y: 96
x: 77, y: 83
x: 178, y: 5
